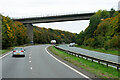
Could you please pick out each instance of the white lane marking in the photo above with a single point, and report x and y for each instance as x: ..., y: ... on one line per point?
x: 30, y: 54
x: 30, y: 61
x: 5, y: 55
x: 29, y: 57
x: 31, y: 68
x: 67, y: 65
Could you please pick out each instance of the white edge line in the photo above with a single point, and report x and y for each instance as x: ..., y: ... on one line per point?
x: 5, y: 55
x: 31, y: 68
x: 66, y: 64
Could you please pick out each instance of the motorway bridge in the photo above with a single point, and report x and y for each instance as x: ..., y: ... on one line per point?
x: 48, y: 19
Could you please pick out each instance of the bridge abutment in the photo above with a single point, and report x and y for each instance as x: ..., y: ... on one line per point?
x: 30, y: 31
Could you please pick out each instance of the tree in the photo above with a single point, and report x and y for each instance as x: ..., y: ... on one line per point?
x: 105, y: 14
x: 115, y: 13
x: 13, y: 33
x: 7, y: 32
x: 103, y: 28
x: 115, y: 23
x: 80, y: 38
x: 89, y: 42
x: 112, y: 11
x: 94, y: 21
x: 114, y: 42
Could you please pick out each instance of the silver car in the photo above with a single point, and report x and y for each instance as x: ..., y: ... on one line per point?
x: 18, y: 51
x: 71, y: 45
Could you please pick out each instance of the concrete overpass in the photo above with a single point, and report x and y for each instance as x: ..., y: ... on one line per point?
x: 58, y: 18
x: 48, y: 19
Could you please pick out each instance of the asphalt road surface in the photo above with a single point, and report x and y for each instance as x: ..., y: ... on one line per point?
x: 38, y: 63
x: 99, y: 55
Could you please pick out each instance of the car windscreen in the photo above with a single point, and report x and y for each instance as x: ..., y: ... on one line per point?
x: 18, y: 49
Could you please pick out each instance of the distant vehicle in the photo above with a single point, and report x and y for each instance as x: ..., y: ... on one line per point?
x: 71, y: 45
x: 74, y: 43
x: 31, y: 42
x: 63, y: 42
x: 53, y: 41
x: 18, y: 51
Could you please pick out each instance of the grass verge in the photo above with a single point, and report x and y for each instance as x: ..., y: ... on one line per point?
x: 113, y: 52
x: 98, y: 69
x: 5, y: 50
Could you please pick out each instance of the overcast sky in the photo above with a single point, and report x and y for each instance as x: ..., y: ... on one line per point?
x: 28, y: 8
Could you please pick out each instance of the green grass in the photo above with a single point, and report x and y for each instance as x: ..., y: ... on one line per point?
x: 114, y: 52
x: 98, y: 69
x: 3, y: 51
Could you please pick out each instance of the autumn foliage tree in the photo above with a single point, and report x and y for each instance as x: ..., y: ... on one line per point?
x: 43, y: 35
x: 103, y: 30
x: 13, y: 33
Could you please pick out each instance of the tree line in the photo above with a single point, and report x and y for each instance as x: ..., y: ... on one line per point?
x: 43, y: 35
x: 14, y: 33
x: 103, y: 31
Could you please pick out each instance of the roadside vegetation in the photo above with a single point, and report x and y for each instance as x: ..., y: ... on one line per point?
x: 44, y: 36
x: 4, y: 51
x: 103, y: 32
x: 14, y: 33
x: 99, y: 70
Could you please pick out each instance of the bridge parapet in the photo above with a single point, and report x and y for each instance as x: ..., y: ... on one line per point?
x: 59, y: 18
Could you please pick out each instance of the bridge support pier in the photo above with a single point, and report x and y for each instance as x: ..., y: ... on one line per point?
x: 30, y: 31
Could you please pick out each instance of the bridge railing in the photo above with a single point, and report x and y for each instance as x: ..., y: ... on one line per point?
x: 54, y: 14
x: 92, y: 58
